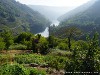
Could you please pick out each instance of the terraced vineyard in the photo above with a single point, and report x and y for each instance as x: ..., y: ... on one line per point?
x: 31, y: 63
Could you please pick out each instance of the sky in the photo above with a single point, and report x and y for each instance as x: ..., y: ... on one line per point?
x: 68, y: 3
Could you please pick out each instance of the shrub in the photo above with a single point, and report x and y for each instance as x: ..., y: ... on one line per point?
x: 2, y: 45
x: 15, y: 69
x: 62, y: 46
x: 29, y: 58
x: 4, y: 58
x: 58, y: 63
x: 57, y: 52
x: 18, y: 47
x: 34, y: 71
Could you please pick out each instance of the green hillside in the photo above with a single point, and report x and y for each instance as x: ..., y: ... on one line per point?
x: 87, y: 17
x: 88, y: 20
x: 19, y: 18
x: 76, y: 11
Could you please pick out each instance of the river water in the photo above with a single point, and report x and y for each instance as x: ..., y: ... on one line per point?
x: 45, y: 33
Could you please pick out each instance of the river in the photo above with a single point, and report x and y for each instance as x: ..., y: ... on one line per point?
x: 45, y: 33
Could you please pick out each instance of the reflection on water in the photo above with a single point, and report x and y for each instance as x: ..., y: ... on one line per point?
x: 45, y: 33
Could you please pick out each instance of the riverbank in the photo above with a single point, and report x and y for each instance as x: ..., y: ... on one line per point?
x: 45, y: 33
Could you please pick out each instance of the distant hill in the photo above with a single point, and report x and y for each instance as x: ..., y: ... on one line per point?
x: 90, y: 16
x: 51, y: 12
x: 76, y: 11
x: 88, y: 19
x: 20, y: 18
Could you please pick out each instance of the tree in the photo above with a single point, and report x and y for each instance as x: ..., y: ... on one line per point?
x: 89, y: 63
x: 8, y: 38
x: 69, y: 32
x: 25, y: 38
x: 43, y: 43
x: 66, y: 31
x: 53, y: 41
x: 35, y: 43
x: 74, y: 64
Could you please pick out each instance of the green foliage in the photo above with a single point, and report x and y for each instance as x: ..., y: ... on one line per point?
x: 56, y: 62
x: 53, y: 41
x: 62, y: 46
x: 43, y: 45
x: 4, y: 58
x: 2, y: 44
x: 84, y: 57
x: 52, y: 61
x: 7, y: 37
x: 35, y: 43
x: 29, y: 58
x: 74, y: 63
x: 17, y: 69
x: 80, y: 45
x: 36, y: 72
x: 20, y: 18
x: 58, y: 52
x: 86, y: 20
x: 40, y: 44
x: 18, y: 47
x: 25, y: 38
x: 70, y: 32
x: 90, y: 64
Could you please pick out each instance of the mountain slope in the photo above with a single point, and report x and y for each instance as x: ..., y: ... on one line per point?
x: 51, y: 12
x: 88, y: 20
x: 77, y: 10
x: 19, y: 17
x: 87, y: 17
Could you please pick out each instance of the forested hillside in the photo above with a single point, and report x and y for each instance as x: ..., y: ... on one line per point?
x: 77, y: 10
x: 87, y: 20
x: 19, y: 18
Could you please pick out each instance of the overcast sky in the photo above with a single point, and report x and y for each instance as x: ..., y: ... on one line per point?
x: 54, y: 2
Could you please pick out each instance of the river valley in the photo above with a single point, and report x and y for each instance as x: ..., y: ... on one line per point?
x: 45, y: 33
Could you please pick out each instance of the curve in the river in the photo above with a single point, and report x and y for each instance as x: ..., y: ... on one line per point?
x: 45, y: 33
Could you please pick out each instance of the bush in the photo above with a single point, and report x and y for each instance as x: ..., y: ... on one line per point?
x: 80, y: 44
x: 17, y: 69
x: 4, y: 58
x: 2, y: 44
x: 56, y: 62
x: 62, y: 46
x: 57, y: 52
x: 29, y: 58
x: 18, y: 47
x: 37, y: 72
